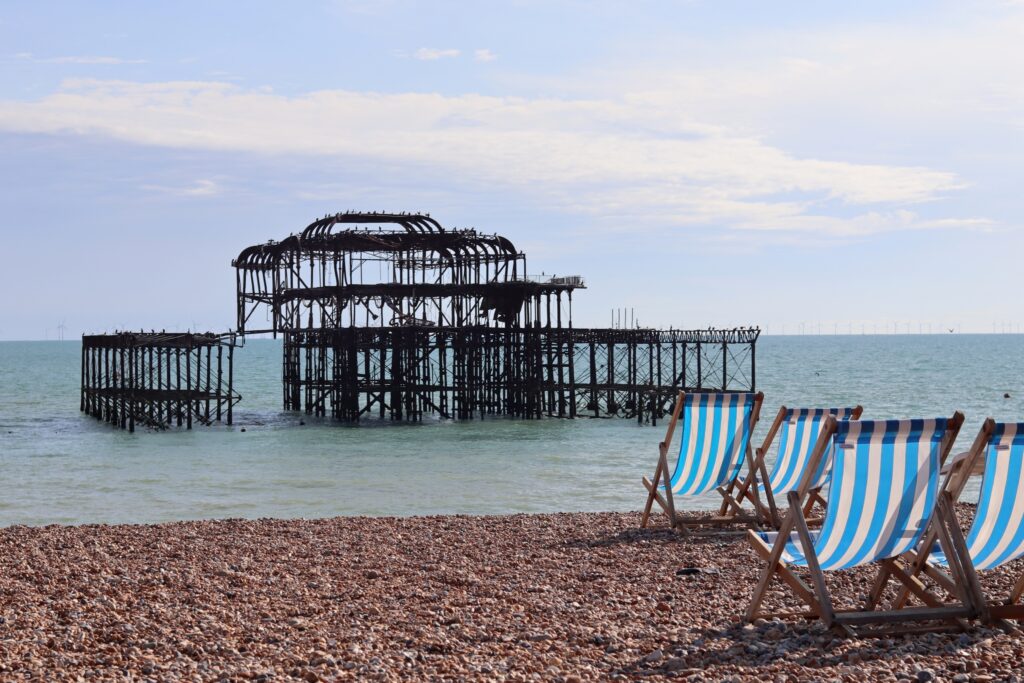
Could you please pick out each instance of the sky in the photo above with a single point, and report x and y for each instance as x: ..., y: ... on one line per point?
x: 802, y: 167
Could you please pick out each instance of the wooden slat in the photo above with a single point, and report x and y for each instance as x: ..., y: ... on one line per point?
x: 905, y: 614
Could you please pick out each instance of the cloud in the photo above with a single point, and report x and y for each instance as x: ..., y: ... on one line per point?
x: 614, y: 158
x: 877, y: 83
x: 200, y: 188
x: 77, y: 59
x: 432, y: 53
x: 484, y: 55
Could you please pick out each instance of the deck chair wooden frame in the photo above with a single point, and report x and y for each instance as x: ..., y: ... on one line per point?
x: 995, y: 610
x: 816, y: 597
x: 730, y: 511
x: 759, y: 468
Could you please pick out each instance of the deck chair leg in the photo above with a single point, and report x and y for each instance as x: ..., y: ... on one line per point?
x: 809, y: 505
x: 918, y: 564
x: 773, y: 509
x: 729, y: 501
x: 652, y: 488
x: 652, y: 491
x: 814, y: 498
x: 909, y: 583
x: 1018, y: 590
x: 755, y: 499
x: 960, y: 562
x: 772, y: 564
x: 824, y: 600
x: 668, y: 488
x: 744, y: 489
x: 788, y: 576
x: 878, y: 587
x: 748, y: 490
x: 727, y: 497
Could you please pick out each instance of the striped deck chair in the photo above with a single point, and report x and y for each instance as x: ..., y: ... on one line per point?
x: 997, y: 533
x: 798, y: 430
x: 714, y: 445
x: 884, y: 495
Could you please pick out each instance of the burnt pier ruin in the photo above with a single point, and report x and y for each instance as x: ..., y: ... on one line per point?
x: 158, y: 379
x: 395, y: 317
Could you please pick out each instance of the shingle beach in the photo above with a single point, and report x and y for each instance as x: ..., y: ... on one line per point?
x: 554, y: 597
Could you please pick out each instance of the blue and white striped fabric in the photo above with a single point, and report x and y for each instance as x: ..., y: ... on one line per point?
x: 885, y: 482
x: 997, y: 535
x: 716, y: 433
x: 800, y: 430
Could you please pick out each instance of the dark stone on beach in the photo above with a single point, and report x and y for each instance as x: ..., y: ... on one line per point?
x: 925, y: 675
x: 690, y: 571
x: 675, y: 664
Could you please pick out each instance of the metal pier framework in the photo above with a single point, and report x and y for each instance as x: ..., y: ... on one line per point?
x: 395, y: 317
x: 157, y: 379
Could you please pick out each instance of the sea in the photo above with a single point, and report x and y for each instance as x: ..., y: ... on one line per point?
x: 59, y: 466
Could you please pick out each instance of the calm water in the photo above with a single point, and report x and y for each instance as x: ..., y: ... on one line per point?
x: 59, y: 466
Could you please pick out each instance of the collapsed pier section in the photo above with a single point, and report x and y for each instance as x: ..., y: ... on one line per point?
x: 158, y: 379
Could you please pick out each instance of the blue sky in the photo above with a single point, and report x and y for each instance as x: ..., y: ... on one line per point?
x: 853, y: 165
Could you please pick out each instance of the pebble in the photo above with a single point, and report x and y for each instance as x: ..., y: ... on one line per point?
x: 533, y: 597
x: 675, y: 664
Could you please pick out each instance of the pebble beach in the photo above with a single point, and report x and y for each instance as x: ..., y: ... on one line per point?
x: 554, y: 597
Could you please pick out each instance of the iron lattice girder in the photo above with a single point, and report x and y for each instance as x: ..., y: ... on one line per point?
x: 318, y: 239
x: 127, y: 340
x: 414, y: 223
x: 419, y: 290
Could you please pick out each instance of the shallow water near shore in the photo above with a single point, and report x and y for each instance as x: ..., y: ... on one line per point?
x: 60, y: 466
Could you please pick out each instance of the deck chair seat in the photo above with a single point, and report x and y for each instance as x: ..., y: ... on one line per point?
x: 797, y: 430
x: 884, y: 496
x: 996, y: 535
x: 792, y: 553
x: 714, y: 446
